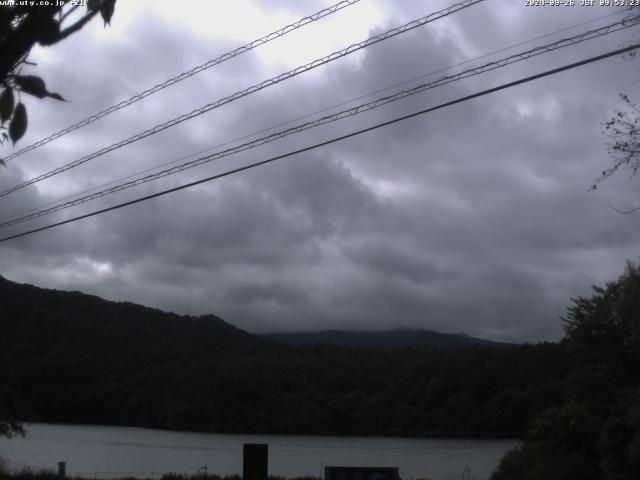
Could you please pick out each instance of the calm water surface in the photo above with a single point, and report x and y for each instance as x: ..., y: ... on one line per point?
x: 111, y: 452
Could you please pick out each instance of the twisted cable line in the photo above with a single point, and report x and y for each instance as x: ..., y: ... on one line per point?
x: 330, y: 141
x: 254, y: 88
x: 195, y: 70
x: 308, y: 115
x: 591, y: 34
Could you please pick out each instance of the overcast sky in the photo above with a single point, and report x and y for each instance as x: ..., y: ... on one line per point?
x: 476, y: 218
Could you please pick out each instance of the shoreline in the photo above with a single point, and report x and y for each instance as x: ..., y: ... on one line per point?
x: 262, y: 434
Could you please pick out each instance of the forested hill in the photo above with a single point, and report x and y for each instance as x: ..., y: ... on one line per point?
x: 76, y: 358
x: 53, y: 321
x: 385, y: 339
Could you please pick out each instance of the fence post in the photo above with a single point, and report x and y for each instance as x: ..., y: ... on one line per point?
x: 255, y: 461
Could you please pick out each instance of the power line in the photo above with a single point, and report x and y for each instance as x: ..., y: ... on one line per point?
x: 254, y: 88
x: 588, y: 35
x: 331, y: 141
x: 302, y: 117
x: 308, y: 115
x: 183, y: 76
x: 419, y: 77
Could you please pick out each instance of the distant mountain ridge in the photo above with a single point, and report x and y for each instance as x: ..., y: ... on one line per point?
x: 74, y: 321
x: 77, y: 358
x: 383, y: 339
x: 30, y: 304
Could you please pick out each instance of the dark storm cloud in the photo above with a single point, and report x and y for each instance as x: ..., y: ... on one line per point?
x: 473, y: 219
x: 388, y: 259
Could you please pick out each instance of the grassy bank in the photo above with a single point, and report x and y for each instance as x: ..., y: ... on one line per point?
x: 50, y: 475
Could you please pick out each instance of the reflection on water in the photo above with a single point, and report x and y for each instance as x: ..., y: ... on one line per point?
x: 117, y: 451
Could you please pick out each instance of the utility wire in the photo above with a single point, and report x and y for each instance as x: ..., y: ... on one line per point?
x: 195, y: 70
x: 308, y: 115
x: 302, y: 117
x: 614, y: 27
x: 331, y: 141
x: 254, y: 88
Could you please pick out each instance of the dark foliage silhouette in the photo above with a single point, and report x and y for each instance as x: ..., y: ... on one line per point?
x: 78, y: 358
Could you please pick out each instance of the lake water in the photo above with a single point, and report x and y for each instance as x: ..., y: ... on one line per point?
x: 112, y: 452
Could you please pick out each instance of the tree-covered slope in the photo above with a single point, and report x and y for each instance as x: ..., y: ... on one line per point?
x: 78, y: 358
x: 594, y: 433
x: 44, y: 322
x: 385, y: 339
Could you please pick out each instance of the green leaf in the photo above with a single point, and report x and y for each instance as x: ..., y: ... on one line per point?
x: 108, y: 6
x: 34, y: 86
x: 57, y: 96
x: 94, y: 5
x: 6, y: 104
x: 31, y: 84
x: 18, y: 124
x: 6, y: 17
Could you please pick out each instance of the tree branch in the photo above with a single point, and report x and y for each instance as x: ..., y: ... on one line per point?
x: 75, y: 27
x: 69, y: 12
x: 621, y: 211
x: 18, y: 42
